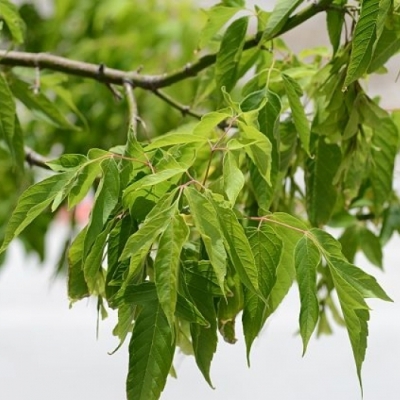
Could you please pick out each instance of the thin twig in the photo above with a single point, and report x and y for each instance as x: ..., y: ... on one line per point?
x: 132, y: 105
x: 35, y: 159
x: 185, y: 110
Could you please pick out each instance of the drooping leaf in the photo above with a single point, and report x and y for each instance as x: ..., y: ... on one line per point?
x: 371, y: 247
x: 363, y: 41
x: 151, y: 351
x: 283, y: 225
x: 7, y: 114
x: 229, y: 54
x: 237, y: 244
x: 319, y: 175
x: 32, y: 203
x: 204, y: 339
x: 139, y: 243
x: 105, y: 200
x: 280, y: 14
x: 206, y: 222
x: 167, y: 262
x: 92, y: 262
x: 387, y: 45
x: 9, y: 13
x: 77, y: 286
x: 307, y: 258
x: 268, y: 119
x: 298, y: 114
x: 335, y: 21
x: 384, y: 149
x: 267, y: 249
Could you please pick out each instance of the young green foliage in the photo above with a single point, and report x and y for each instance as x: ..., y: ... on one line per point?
x: 202, y: 215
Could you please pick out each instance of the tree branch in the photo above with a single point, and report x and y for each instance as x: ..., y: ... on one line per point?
x: 35, y: 159
x: 107, y: 75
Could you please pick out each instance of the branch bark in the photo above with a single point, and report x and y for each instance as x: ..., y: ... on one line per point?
x: 107, y: 75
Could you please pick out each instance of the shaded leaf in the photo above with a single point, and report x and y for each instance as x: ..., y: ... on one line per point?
x: 105, y: 200
x: 9, y: 12
x: 298, y: 114
x: 151, y: 351
x: 167, y: 262
x: 237, y: 245
x: 307, y: 258
x: 229, y: 54
x: 320, y: 174
x: 208, y: 226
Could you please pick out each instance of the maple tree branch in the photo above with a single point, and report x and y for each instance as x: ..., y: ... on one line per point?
x: 35, y: 159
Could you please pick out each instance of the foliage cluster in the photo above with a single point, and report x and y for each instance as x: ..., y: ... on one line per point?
x: 199, y: 210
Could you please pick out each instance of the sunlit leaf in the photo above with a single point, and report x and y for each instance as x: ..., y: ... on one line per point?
x: 363, y: 41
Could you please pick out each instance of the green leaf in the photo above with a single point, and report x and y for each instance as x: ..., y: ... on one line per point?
x: 77, y: 286
x: 290, y: 230
x: 268, y: 119
x: 138, y: 244
x: 32, y: 203
x: 218, y: 16
x: 387, y: 46
x: 259, y: 149
x: 146, y: 292
x: 371, y: 247
x: 204, y: 339
x: 298, y: 114
x: 209, y: 122
x: 349, y: 241
x: 167, y: 262
x: 7, y: 114
x: 67, y: 162
x: 335, y: 21
x: 267, y: 249
x: 151, y: 351
x: 40, y: 104
x: 83, y: 182
x: 307, y: 258
x: 105, y: 200
x: 363, y: 41
x: 237, y: 245
x: 233, y: 177
x: 229, y: 54
x: 208, y: 226
x: 320, y: 173
x: 93, y: 261
x: 16, y: 25
x: 152, y: 180
x: 280, y: 14
x: 384, y: 150
x: 172, y: 139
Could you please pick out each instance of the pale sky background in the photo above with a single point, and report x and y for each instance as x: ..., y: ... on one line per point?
x: 48, y: 351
